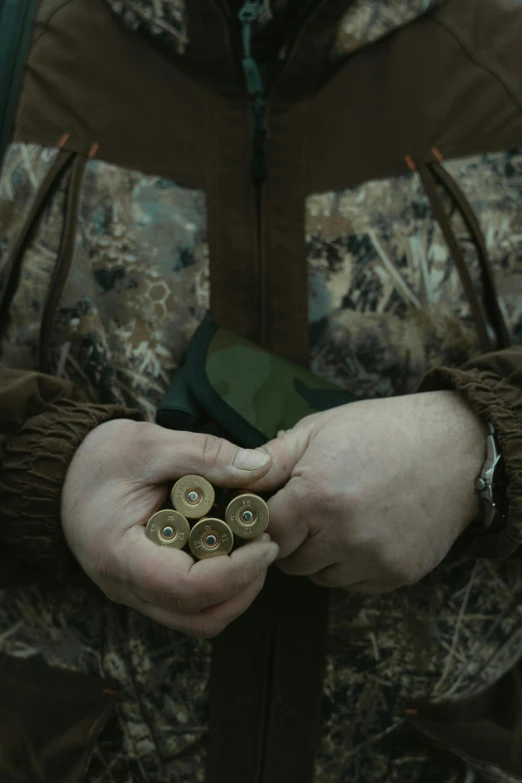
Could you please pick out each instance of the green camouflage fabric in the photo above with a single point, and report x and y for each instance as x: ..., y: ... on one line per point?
x: 271, y: 393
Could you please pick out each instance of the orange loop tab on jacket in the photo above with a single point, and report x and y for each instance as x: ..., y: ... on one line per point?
x: 64, y: 138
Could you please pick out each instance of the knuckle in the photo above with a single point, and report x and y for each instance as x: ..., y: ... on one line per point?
x: 324, y: 496
x: 212, y: 450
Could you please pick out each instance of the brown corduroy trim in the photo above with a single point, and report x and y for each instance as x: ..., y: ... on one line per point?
x: 494, y: 398
x: 33, y: 473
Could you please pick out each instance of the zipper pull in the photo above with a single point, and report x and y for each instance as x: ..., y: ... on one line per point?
x: 250, y: 12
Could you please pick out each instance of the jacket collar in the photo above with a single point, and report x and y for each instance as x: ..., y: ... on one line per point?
x: 204, y: 38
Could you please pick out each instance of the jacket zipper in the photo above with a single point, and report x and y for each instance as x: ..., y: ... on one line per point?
x: 258, y: 93
x: 251, y: 11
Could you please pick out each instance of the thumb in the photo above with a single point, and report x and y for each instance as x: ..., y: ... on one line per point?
x: 285, y: 452
x: 222, y: 463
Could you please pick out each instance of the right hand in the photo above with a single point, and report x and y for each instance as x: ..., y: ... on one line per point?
x: 117, y: 479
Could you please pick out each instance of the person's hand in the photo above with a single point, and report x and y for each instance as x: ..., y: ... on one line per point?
x: 115, y: 482
x: 375, y: 493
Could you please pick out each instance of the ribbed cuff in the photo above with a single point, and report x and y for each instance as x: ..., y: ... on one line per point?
x: 494, y: 399
x: 34, y: 467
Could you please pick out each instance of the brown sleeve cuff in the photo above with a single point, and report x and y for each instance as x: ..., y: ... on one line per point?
x: 494, y: 398
x: 35, y: 462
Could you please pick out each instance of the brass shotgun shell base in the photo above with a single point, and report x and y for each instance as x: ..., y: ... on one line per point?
x: 168, y: 528
x: 247, y: 515
x: 193, y: 496
x: 210, y: 537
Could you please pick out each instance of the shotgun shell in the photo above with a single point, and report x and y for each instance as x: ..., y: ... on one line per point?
x: 193, y: 496
x: 168, y: 528
x: 210, y: 537
x: 247, y: 515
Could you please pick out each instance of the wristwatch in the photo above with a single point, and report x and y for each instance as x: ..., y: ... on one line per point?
x: 491, y: 483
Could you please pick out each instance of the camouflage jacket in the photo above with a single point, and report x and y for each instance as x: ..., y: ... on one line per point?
x: 373, y: 231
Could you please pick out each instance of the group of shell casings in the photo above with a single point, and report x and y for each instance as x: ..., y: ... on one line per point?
x: 236, y: 514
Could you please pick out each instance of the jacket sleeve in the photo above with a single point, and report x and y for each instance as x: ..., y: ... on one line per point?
x: 492, y: 385
x: 43, y: 420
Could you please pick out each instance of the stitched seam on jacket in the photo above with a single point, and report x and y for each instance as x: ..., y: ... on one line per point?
x: 477, y: 61
x: 45, y: 22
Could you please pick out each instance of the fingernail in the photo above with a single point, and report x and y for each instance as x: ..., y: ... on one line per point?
x: 250, y: 459
x: 265, y: 538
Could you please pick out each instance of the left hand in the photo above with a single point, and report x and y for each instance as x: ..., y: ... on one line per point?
x: 376, y: 492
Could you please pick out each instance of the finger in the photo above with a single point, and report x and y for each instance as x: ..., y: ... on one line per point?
x: 209, y: 622
x: 175, y: 454
x: 288, y: 524
x: 285, y: 451
x: 314, y: 555
x: 169, y: 578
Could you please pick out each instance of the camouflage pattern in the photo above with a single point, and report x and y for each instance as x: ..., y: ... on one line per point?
x: 161, y: 716
x: 386, y: 300
x: 268, y: 391
x: 165, y: 19
x: 493, y: 186
x: 449, y: 636
x: 386, y: 303
x: 366, y: 21
x: 137, y: 288
x: 23, y: 172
